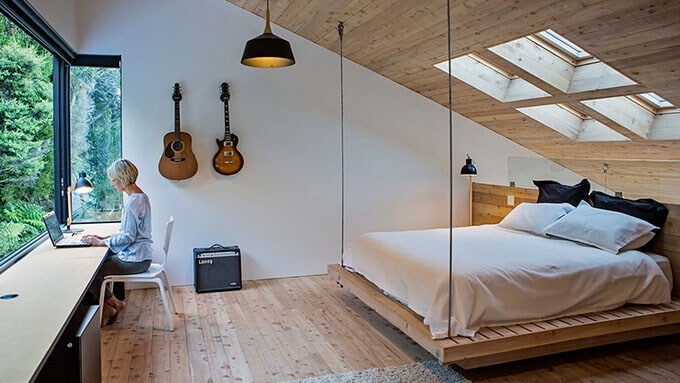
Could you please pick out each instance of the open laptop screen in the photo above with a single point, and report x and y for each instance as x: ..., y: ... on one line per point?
x: 53, y: 227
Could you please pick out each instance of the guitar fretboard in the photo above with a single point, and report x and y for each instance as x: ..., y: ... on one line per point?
x: 227, y: 132
x: 177, y: 131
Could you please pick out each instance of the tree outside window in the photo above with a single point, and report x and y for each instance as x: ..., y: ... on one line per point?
x: 27, y: 157
x: 26, y: 137
x: 95, y: 140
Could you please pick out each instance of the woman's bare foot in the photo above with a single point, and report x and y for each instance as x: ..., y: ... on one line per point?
x: 118, y: 306
x: 109, y: 312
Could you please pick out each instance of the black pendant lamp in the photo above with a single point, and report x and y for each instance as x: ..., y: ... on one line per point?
x: 267, y: 50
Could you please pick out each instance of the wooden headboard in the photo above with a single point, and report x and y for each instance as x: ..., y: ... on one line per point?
x: 490, y: 205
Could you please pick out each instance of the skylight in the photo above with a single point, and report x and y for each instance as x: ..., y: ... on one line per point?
x: 571, y: 123
x: 491, y: 79
x: 630, y: 113
x: 563, y: 44
x: 556, y: 61
x: 656, y: 100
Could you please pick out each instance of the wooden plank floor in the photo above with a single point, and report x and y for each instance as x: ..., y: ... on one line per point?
x: 290, y: 328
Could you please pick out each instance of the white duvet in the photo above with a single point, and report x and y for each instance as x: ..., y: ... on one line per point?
x: 501, y: 276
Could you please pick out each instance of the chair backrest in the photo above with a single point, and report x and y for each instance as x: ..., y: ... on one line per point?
x: 168, y: 234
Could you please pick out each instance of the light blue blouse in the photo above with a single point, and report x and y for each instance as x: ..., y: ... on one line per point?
x: 132, y: 242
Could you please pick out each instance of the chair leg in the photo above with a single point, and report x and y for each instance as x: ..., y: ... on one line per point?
x: 102, y: 289
x: 172, y: 297
x: 161, y: 287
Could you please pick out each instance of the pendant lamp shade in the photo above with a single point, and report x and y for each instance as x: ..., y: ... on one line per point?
x: 267, y: 50
x: 468, y: 169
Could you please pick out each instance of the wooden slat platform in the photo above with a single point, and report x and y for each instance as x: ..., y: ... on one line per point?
x: 509, y: 343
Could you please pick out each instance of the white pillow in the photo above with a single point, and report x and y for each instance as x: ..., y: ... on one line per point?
x: 534, y: 217
x: 638, y: 242
x: 605, y: 229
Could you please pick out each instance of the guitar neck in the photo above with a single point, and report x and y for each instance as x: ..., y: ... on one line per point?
x: 227, y: 132
x: 177, y: 131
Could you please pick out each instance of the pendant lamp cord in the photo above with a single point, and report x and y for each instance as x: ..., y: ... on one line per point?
x: 341, y: 28
x: 448, y: 34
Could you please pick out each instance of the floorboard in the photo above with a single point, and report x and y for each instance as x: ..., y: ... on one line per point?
x: 291, y: 328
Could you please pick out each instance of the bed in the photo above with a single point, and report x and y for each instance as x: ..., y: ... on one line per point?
x: 499, y: 328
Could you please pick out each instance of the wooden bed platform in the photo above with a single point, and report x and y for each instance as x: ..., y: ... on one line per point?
x: 494, y: 345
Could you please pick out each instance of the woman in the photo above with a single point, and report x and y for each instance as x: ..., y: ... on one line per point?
x: 129, y: 249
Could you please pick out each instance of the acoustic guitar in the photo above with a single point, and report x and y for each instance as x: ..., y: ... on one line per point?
x: 178, y: 161
x: 228, y: 160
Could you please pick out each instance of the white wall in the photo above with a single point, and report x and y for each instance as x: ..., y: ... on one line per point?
x: 62, y: 16
x: 283, y: 209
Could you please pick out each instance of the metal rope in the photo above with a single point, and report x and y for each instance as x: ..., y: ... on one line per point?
x: 341, y: 28
x: 448, y: 34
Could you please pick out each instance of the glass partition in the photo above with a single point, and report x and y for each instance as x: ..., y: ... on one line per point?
x: 523, y: 170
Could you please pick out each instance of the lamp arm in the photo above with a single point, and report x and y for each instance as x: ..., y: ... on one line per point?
x: 68, y: 207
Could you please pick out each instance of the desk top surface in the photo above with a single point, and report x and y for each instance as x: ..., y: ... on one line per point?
x: 50, y: 284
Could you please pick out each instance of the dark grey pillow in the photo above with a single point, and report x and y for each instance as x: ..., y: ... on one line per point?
x: 646, y: 209
x: 555, y: 192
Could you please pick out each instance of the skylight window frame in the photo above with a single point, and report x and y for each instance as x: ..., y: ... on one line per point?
x: 492, y: 66
x: 559, y: 46
x: 656, y: 101
x: 574, y: 111
x: 651, y: 106
x: 563, y: 44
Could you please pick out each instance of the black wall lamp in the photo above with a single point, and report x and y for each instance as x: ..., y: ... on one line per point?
x: 470, y: 171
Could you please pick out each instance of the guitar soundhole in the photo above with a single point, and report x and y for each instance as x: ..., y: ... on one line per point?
x: 177, y: 146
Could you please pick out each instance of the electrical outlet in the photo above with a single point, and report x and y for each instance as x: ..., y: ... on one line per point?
x: 511, y: 200
x: 618, y: 194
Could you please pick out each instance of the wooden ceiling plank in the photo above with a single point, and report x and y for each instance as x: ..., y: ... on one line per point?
x: 407, y: 39
x: 628, y: 49
x: 288, y: 17
x: 391, y: 22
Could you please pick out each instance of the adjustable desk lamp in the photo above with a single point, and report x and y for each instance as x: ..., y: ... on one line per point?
x: 82, y: 186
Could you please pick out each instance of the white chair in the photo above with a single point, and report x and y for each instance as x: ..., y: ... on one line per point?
x: 155, y: 274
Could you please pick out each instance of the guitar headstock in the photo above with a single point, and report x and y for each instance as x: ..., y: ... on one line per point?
x: 224, y: 95
x: 177, y: 94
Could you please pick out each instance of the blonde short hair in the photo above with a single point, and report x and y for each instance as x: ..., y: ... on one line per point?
x: 124, y: 171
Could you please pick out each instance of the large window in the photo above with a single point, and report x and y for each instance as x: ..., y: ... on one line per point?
x: 60, y: 114
x: 95, y: 140
x: 26, y: 137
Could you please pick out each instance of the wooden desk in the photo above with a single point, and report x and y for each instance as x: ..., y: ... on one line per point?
x: 50, y: 283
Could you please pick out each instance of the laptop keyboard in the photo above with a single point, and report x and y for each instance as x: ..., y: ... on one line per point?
x: 71, y: 239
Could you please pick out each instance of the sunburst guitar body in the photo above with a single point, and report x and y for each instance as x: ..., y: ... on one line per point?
x: 178, y: 161
x: 228, y: 160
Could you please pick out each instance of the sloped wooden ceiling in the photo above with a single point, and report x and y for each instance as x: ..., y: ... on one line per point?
x: 403, y: 39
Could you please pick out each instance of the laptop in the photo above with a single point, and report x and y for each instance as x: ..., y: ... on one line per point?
x: 57, y: 235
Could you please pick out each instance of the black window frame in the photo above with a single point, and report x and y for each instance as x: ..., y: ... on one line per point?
x: 28, y: 19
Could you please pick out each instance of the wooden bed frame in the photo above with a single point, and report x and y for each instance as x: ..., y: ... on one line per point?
x: 493, y: 345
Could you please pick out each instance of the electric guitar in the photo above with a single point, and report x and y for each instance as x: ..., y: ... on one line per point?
x: 228, y: 160
x: 178, y: 161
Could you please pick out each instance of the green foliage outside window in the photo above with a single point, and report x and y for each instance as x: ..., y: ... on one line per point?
x: 95, y: 139
x: 26, y: 142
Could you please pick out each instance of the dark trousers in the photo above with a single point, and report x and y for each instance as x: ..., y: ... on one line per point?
x: 114, y: 266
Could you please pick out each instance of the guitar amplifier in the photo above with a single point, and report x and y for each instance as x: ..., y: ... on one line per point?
x: 217, y: 268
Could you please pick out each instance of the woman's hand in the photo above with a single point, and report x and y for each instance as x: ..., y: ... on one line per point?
x: 94, y: 240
